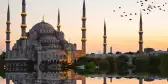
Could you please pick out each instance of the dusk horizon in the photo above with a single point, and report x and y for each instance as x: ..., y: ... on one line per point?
x: 123, y: 38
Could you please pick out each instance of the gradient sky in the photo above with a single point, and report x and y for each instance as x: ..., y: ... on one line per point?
x: 114, y: 81
x: 122, y: 34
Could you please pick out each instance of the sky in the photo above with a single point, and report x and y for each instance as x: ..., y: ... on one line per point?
x: 122, y: 34
x: 114, y: 81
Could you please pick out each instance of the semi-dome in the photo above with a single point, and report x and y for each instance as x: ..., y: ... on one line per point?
x: 39, y: 27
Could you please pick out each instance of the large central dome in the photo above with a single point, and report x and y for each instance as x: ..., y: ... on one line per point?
x: 42, y: 29
x: 42, y: 26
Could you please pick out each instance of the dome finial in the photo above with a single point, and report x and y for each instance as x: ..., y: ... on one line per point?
x: 43, y: 19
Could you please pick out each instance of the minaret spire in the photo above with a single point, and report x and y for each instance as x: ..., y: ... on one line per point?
x: 23, y: 25
x: 58, y: 23
x: 84, y: 8
x: 8, y: 37
x: 8, y: 32
x: 105, y: 36
x: 140, y: 35
x: 84, y: 29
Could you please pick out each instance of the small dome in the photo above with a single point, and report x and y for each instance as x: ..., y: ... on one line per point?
x: 41, y: 26
x: 60, y: 35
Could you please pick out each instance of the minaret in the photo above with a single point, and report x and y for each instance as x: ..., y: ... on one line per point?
x: 58, y: 23
x: 84, y: 29
x: 111, y: 50
x: 105, y: 42
x: 8, y: 38
x: 111, y: 79
x: 23, y: 25
x: 140, y: 35
x: 141, y: 81
x: 104, y: 80
x: 8, y: 32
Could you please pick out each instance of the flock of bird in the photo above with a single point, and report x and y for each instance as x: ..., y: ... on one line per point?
x: 147, y: 6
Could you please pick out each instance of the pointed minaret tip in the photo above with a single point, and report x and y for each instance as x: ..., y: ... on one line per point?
x: 58, y: 22
x: 8, y: 12
x: 140, y: 17
x: 23, y: 2
x: 84, y: 3
x: 104, y: 25
x: 84, y: 8
x: 104, y: 21
x: 58, y: 16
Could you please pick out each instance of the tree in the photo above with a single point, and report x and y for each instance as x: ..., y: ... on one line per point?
x: 2, y: 56
x: 130, y: 53
x: 154, y: 62
x: 118, y: 52
x: 164, y: 64
x: 141, y: 64
x: 112, y: 63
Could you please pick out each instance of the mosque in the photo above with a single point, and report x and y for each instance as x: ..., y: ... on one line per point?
x: 42, y: 42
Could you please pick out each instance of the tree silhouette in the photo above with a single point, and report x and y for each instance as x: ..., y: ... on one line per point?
x: 2, y: 56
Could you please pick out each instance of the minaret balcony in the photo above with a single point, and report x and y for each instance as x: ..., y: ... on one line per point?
x: 58, y: 26
x: 8, y: 22
x: 7, y: 41
x: 7, y: 31
x: 83, y: 29
x: 83, y: 39
x: 104, y: 43
x: 23, y: 13
x: 140, y: 31
x: 83, y: 18
x: 140, y: 41
x: 23, y: 37
x: 105, y: 36
x: 23, y: 25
